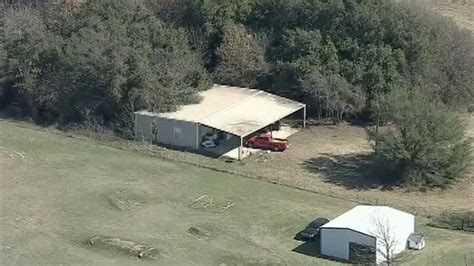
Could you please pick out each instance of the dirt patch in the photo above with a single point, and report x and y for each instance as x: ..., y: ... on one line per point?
x: 124, y: 201
x: 9, y: 159
x: 203, y: 231
x: 126, y: 246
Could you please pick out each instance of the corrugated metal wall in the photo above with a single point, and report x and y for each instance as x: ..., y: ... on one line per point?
x: 166, y: 131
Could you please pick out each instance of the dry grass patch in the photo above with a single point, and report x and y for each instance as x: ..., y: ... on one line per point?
x: 461, y: 11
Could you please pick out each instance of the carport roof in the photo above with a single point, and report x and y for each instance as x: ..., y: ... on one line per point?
x: 239, y: 111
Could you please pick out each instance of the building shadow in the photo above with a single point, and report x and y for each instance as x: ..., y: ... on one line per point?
x: 313, y: 248
x: 309, y: 248
x: 357, y: 171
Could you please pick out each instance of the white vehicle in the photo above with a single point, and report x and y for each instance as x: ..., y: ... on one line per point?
x: 208, y: 144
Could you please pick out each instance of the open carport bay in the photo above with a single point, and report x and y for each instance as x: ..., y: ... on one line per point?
x: 283, y: 132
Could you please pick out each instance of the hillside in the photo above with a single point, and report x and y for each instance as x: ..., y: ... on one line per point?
x: 461, y: 11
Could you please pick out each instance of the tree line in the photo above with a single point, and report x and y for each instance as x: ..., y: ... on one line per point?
x: 68, y: 65
x: 373, y: 59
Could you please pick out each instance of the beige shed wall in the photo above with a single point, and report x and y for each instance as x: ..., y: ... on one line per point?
x: 167, y: 130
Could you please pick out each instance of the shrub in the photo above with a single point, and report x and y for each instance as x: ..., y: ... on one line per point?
x: 427, y: 142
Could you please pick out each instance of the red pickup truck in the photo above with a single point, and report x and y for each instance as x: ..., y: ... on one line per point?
x: 267, y: 142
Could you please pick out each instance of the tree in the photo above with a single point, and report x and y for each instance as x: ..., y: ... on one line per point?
x: 2, y: 59
x: 241, y: 57
x: 333, y: 96
x: 455, y: 61
x: 426, y: 142
x: 27, y: 45
x: 468, y: 259
x: 215, y: 15
x: 171, y: 11
x: 386, y: 238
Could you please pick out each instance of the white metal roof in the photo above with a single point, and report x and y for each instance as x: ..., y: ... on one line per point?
x: 364, y: 219
x: 235, y: 110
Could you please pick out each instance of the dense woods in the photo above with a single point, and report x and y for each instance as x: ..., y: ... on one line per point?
x: 103, y: 59
x: 100, y: 61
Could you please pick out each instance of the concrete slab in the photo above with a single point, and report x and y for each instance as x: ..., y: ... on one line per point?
x: 283, y: 133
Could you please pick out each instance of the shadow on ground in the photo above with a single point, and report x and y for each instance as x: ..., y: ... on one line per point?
x: 358, y: 171
x: 313, y: 248
x: 310, y: 248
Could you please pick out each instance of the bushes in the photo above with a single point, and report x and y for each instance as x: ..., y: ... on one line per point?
x: 455, y: 220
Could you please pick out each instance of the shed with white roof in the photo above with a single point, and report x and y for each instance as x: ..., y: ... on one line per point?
x: 364, y: 232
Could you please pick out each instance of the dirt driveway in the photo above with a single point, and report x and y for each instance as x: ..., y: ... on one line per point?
x: 337, y: 161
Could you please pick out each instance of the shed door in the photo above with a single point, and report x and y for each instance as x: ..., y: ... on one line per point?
x: 361, y: 253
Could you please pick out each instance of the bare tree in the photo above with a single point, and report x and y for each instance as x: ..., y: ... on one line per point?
x: 386, y: 238
x: 333, y: 95
x: 199, y: 41
x: 242, y: 57
x: 468, y: 261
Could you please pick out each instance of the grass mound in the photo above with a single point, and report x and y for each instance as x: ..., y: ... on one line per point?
x: 126, y: 247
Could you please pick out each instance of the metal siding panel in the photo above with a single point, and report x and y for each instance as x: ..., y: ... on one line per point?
x: 335, y: 242
x: 166, y: 133
x: 143, y: 127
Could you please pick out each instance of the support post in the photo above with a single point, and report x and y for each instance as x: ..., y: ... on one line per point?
x: 197, y: 137
x: 240, y: 148
x: 135, y: 126
x: 304, y: 116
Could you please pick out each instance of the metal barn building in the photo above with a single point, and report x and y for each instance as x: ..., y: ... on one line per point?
x: 231, y: 112
x: 360, y: 233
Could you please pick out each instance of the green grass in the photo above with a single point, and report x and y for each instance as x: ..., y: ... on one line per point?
x: 58, y: 196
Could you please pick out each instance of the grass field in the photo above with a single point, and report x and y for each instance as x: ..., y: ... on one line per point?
x: 57, y: 192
